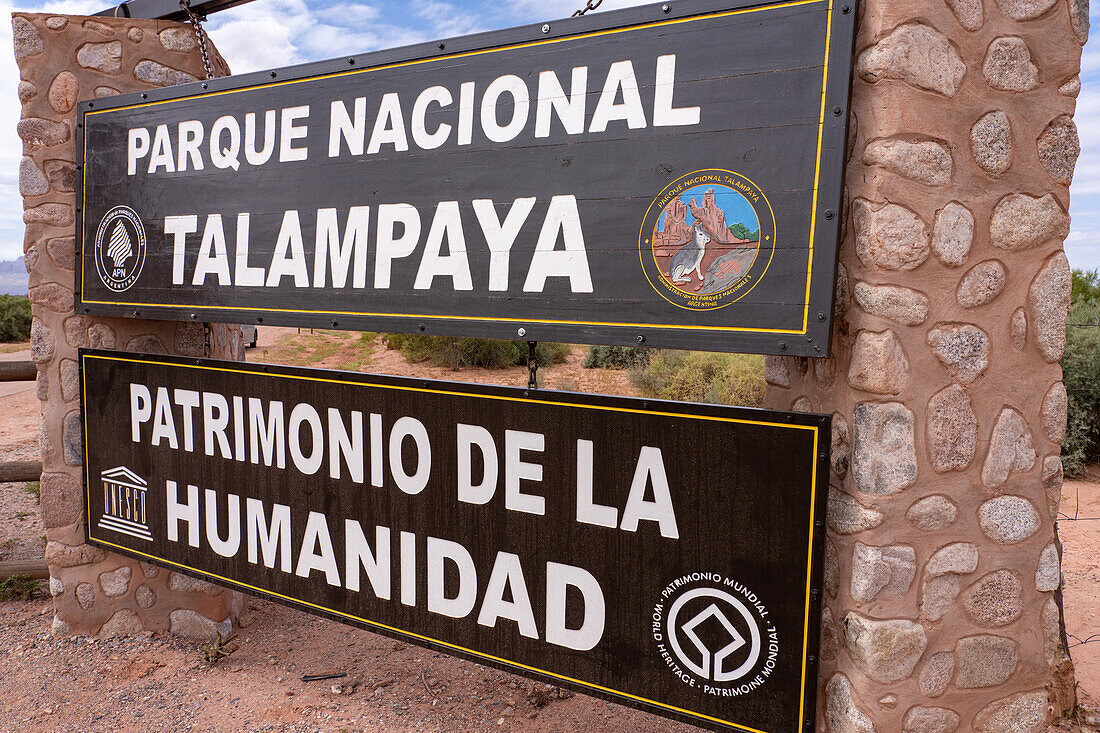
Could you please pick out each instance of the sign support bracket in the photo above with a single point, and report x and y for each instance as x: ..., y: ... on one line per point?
x: 532, y: 365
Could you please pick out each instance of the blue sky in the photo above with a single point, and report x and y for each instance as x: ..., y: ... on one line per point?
x: 272, y: 33
x: 736, y: 208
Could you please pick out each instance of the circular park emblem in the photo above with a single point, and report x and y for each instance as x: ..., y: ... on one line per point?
x: 120, y: 248
x: 707, y: 239
x: 714, y: 634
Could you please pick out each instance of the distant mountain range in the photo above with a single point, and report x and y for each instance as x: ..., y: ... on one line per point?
x: 13, y: 277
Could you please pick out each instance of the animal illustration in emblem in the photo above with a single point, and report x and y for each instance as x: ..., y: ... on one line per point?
x: 690, y: 256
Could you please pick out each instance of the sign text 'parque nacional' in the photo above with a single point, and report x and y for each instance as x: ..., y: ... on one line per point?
x: 663, y: 555
x: 667, y: 175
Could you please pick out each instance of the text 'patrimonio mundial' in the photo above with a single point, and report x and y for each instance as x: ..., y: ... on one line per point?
x: 373, y: 449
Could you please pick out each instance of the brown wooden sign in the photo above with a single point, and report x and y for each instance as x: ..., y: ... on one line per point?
x: 662, y: 555
x: 668, y: 175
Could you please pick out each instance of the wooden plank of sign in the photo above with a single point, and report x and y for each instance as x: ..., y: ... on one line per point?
x: 663, y: 555
x: 658, y: 176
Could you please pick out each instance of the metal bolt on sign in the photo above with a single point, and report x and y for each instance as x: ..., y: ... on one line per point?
x: 200, y: 35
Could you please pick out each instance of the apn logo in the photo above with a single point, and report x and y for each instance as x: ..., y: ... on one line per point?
x: 120, y: 248
x: 124, y: 503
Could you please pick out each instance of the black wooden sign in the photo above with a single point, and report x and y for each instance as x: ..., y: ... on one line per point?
x: 663, y: 555
x: 662, y: 175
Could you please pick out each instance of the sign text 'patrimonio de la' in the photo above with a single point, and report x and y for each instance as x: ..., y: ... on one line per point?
x: 662, y: 555
x: 665, y: 175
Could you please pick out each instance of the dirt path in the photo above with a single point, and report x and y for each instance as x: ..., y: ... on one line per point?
x: 162, y: 684
x: 18, y: 405
x: 1079, y: 530
x: 21, y: 529
x: 345, y: 350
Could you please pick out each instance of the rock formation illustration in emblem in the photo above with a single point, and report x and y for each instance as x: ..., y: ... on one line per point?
x: 696, y: 246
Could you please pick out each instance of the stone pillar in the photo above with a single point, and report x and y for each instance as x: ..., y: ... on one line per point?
x: 63, y: 59
x: 942, y: 577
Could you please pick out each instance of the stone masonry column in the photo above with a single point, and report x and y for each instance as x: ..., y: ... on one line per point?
x: 63, y: 59
x: 942, y: 579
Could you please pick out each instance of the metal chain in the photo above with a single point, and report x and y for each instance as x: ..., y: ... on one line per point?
x: 200, y: 34
x: 532, y: 366
x: 588, y: 5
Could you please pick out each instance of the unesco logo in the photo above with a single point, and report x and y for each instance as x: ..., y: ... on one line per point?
x: 120, y: 248
x: 715, y: 634
x: 124, y: 494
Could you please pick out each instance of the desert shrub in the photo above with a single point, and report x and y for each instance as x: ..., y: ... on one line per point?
x: 456, y: 353
x: 15, y: 318
x: 1086, y: 285
x: 17, y: 587
x: 1081, y: 374
x: 697, y: 376
x: 616, y: 357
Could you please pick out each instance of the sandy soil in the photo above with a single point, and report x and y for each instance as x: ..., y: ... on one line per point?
x: 18, y: 405
x: 1079, y: 530
x: 21, y: 529
x: 160, y: 683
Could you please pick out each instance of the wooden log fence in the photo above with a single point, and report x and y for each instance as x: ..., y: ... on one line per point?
x: 20, y: 471
x: 17, y: 371
x: 36, y: 569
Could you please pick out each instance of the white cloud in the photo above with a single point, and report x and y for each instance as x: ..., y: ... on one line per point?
x: 1083, y: 243
x: 325, y: 41
x: 273, y: 33
x: 446, y: 19
x: 1086, y: 174
x: 260, y: 35
x: 354, y: 13
x: 254, y: 44
x: 11, y: 147
x: 72, y: 7
x: 535, y: 11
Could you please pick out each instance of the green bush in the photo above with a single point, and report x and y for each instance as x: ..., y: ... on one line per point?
x: 616, y: 357
x: 1081, y: 374
x: 697, y: 376
x: 17, y: 587
x: 15, y: 318
x: 456, y: 353
x: 741, y: 231
x: 1086, y: 286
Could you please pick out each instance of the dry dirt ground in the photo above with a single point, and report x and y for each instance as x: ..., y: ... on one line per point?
x: 161, y: 683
